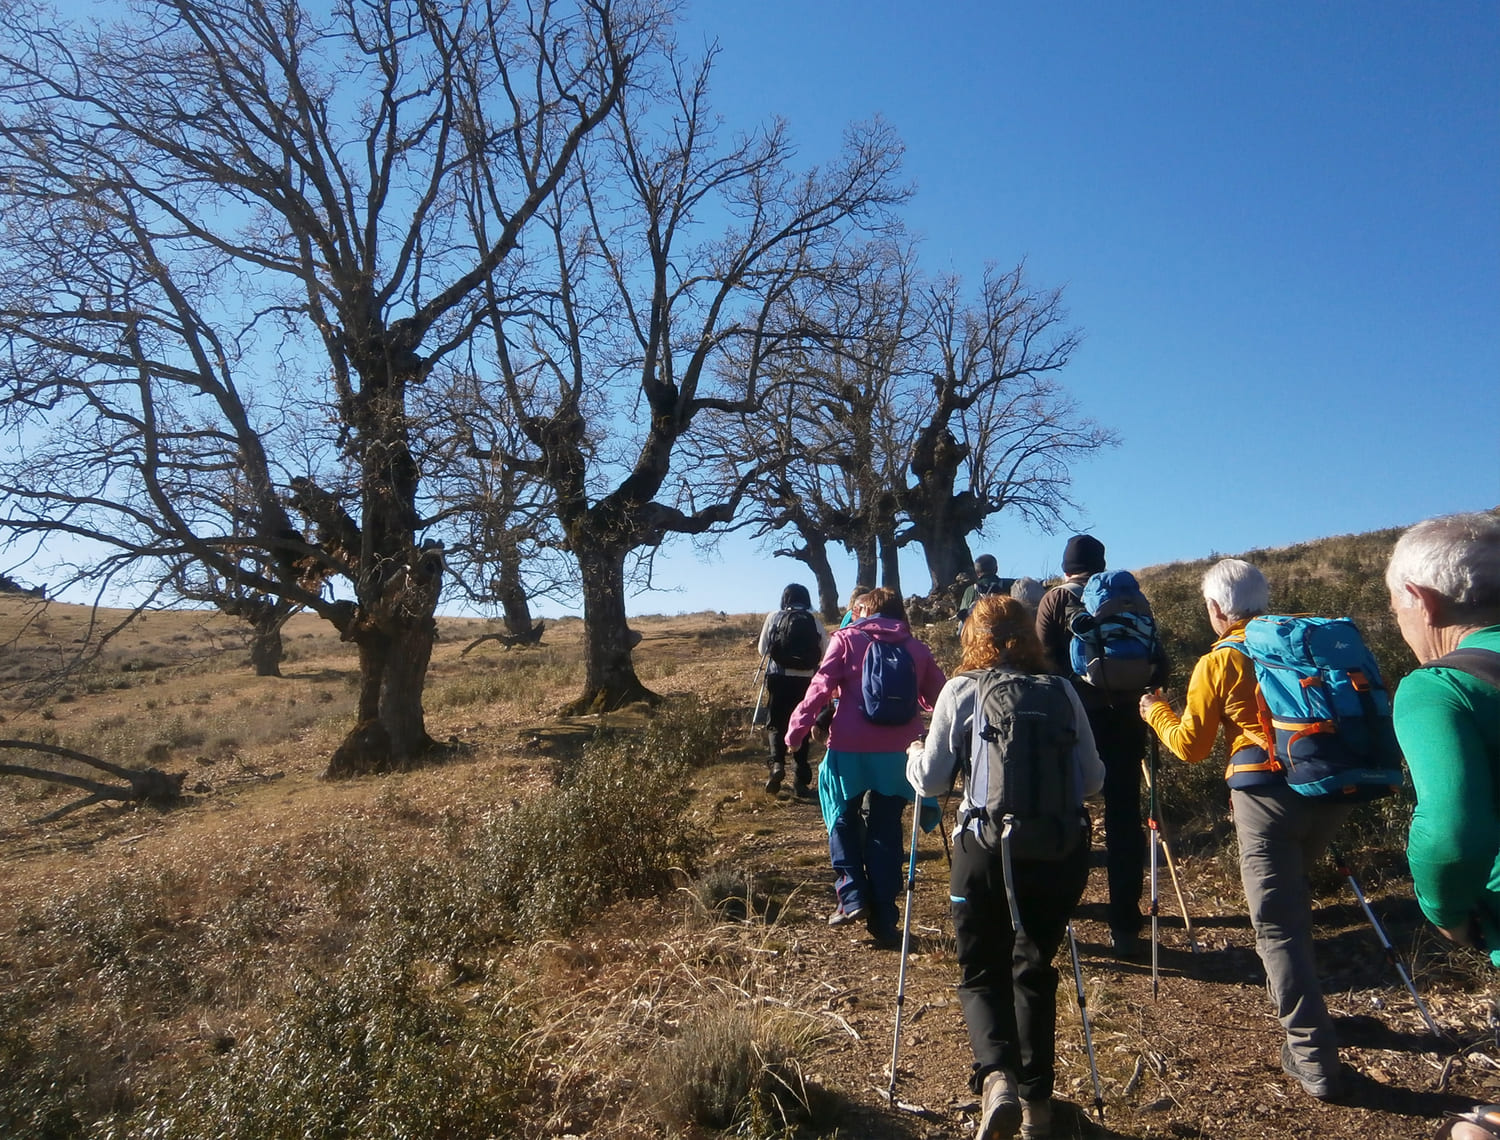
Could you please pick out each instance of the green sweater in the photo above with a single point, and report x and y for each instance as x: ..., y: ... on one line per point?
x: 1448, y: 724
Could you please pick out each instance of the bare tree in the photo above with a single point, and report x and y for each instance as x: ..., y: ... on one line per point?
x: 914, y: 416
x: 668, y: 256
x: 997, y: 431
x: 840, y: 419
x: 216, y: 209
x: 497, y: 520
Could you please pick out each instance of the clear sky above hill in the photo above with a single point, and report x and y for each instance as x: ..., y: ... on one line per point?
x: 1278, y: 225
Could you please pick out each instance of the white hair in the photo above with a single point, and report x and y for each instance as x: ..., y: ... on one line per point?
x: 1237, y: 588
x: 1457, y: 556
x: 1029, y: 592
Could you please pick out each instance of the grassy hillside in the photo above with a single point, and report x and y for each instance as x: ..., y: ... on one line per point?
x: 596, y: 927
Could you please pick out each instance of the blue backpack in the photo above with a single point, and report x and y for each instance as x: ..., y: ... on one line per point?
x: 1114, y: 645
x: 888, y: 684
x: 1323, y: 706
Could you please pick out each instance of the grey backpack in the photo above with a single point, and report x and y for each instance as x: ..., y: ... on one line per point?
x: 1021, y: 770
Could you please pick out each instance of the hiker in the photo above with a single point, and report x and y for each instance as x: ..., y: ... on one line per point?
x: 1008, y: 985
x: 987, y: 581
x: 866, y: 756
x: 1119, y: 736
x: 1029, y: 592
x: 1281, y: 833
x: 855, y: 610
x: 792, y: 640
x: 1444, y: 581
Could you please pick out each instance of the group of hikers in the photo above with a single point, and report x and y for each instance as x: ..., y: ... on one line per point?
x: 1057, y: 694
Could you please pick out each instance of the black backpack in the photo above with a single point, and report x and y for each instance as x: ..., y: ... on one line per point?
x: 991, y: 584
x: 1021, y: 763
x: 796, y: 641
x: 1021, y: 769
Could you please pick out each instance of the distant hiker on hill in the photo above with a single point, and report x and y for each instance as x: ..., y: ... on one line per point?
x: 1007, y: 985
x: 792, y: 639
x: 987, y: 581
x: 882, y: 677
x: 1444, y: 579
x: 1119, y: 734
x: 1281, y: 832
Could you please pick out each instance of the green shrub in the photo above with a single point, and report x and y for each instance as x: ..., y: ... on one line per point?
x: 616, y: 827
x: 726, y: 893
x: 739, y: 1067
x: 37, y: 1099
x: 369, y: 1051
x: 126, y: 932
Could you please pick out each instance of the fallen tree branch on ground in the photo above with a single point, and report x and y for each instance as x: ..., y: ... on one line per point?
x: 142, y: 785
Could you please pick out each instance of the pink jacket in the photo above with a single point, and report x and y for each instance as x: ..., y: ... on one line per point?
x: 839, y: 674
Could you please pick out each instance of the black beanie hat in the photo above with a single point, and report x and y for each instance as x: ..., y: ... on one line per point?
x: 1084, y: 554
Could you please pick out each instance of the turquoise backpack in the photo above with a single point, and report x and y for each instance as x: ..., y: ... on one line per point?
x: 1323, y: 706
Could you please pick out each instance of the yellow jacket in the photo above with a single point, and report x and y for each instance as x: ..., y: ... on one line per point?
x: 1222, y: 690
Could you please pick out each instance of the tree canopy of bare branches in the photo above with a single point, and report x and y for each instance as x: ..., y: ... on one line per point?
x: 911, y: 414
x: 237, y: 236
x: 666, y: 258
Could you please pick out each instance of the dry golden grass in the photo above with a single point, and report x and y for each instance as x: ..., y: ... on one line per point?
x: 142, y: 947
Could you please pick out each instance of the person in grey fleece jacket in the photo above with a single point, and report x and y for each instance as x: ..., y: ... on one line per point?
x: 1008, y: 985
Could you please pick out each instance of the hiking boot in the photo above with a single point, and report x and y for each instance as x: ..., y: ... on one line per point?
x: 1314, y: 1081
x: 1125, y: 945
x: 773, y: 781
x: 802, y: 791
x: 1002, y: 1108
x: 1036, y: 1119
x: 842, y: 917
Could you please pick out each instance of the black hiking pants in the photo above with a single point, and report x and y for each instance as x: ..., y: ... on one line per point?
x: 1120, y: 737
x: 786, y: 693
x: 1008, y: 985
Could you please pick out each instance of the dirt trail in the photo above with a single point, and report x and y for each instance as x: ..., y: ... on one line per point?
x: 1201, y: 1060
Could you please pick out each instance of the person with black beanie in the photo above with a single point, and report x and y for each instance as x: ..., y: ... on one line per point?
x: 1119, y: 735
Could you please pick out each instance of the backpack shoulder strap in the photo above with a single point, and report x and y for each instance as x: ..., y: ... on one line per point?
x: 1481, y: 664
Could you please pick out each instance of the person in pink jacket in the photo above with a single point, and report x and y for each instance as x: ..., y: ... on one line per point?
x: 865, y: 759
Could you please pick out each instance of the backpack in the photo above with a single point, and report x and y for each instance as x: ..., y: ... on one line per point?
x: 1114, y: 645
x: 1021, y: 764
x: 888, y: 683
x: 1323, y: 706
x: 992, y: 584
x: 1481, y: 664
x: 795, y: 642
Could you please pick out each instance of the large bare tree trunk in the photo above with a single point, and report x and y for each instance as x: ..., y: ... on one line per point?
x: 510, y: 590
x: 395, y: 638
x: 941, y: 520
x: 829, y: 602
x: 890, y: 562
x: 866, y: 571
x: 609, y: 674
x: 266, y: 649
x: 813, y: 553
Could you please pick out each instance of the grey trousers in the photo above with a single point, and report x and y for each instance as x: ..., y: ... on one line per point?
x: 1281, y: 834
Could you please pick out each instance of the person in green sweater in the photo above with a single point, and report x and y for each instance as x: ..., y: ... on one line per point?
x: 1444, y: 580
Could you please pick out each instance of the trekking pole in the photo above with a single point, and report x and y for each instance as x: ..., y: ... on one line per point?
x: 1166, y: 850
x: 911, y: 886
x: 1088, y: 1034
x: 760, y: 676
x: 1390, y: 951
x: 1155, y: 898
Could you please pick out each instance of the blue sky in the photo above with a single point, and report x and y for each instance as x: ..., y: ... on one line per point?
x: 1277, y: 224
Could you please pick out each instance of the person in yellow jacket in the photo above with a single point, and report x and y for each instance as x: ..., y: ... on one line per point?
x: 1280, y: 831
